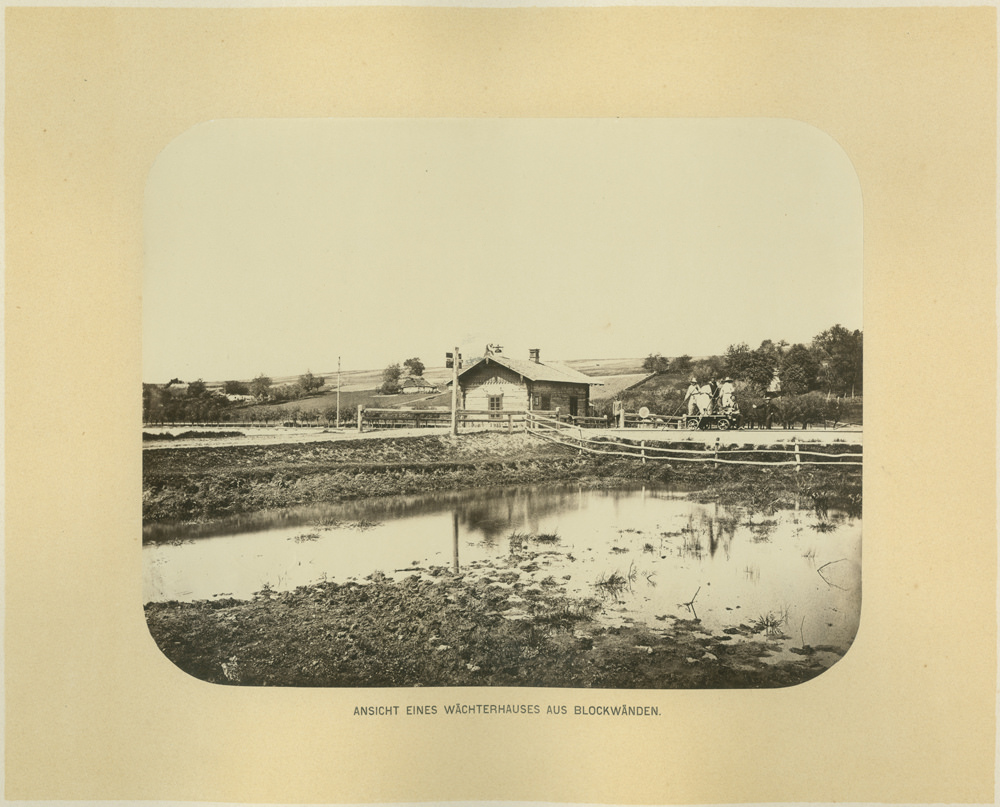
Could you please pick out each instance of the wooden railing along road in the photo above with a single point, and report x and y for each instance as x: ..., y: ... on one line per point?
x: 556, y: 431
x: 372, y: 418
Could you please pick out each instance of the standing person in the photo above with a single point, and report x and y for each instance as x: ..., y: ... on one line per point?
x: 691, y: 395
x: 705, y: 399
x: 728, y: 394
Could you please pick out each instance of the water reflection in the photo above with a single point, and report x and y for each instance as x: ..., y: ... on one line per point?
x: 647, y: 554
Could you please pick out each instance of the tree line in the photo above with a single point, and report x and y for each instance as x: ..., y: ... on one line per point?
x: 820, y: 381
x: 832, y: 363
x: 196, y: 403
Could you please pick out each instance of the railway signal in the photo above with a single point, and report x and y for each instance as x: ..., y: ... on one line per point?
x: 454, y: 361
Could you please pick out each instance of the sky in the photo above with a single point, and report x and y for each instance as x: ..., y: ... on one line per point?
x: 277, y: 246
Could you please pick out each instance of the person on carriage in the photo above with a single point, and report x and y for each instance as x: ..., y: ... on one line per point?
x: 691, y: 397
x: 704, y: 401
x: 727, y: 393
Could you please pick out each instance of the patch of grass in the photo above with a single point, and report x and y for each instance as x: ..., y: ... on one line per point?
x: 325, y: 523
x: 619, y: 550
x: 567, y: 615
x: 305, y: 537
x: 769, y: 624
x: 546, y: 538
x: 517, y: 541
x: 613, y: 584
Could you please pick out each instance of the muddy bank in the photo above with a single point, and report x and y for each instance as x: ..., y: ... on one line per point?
x: 494, y: 624
x: 202, y: 484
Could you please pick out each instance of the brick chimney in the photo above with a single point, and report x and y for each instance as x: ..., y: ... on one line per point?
x: 534, y: 355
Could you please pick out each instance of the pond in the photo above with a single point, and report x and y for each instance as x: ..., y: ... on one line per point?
x: 645, y: 554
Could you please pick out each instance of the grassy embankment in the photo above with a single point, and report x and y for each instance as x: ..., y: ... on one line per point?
x: 496, y: 623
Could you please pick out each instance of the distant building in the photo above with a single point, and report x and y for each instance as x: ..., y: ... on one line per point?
x: 498, y: 383
x: 413, y: 384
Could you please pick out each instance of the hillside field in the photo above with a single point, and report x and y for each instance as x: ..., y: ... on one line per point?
x: 357, y: 387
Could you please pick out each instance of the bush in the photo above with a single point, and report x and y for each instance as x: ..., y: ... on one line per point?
x: 814, y: 409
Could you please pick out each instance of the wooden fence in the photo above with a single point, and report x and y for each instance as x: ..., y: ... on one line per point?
x: 793, y: 454
x: 505, y: 420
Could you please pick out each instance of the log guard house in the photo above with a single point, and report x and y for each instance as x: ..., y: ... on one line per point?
x: 498, y: 383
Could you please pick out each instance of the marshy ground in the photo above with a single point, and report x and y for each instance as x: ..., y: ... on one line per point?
x: 499, y: 622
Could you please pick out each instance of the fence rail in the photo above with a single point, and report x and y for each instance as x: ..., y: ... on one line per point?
x: 793, y: 454
x: 507, y: 419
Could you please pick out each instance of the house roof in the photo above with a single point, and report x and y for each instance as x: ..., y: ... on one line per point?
x: 535, y: 370
x: 416, y: 381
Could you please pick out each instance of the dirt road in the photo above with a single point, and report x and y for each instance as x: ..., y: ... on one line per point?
x: 280, y: 435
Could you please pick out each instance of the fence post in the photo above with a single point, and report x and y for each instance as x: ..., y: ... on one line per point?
x: 798, y: 464
x: 716, y: 455
x: 643, y: 444
x: 510, y: 423
x: 361, y: 424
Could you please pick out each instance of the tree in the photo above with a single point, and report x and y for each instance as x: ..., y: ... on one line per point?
x: 841, y: 356
x: 236, y: 388
x: 739, y: 361
x: 197, y: 389
x: 260, y: 387
x: 415, y: 366
x: 681, y: 364
x: 390, y: 379
x: 712, y: 367
x: 655, y: 363
x: 310, y: 383
x: 152, y: 403
x: 762, y: 364
x: 799, y: 369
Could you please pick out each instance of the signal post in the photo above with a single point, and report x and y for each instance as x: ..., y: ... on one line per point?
x: 454, y: 361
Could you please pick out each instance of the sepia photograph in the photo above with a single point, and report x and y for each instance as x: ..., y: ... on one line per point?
x: 538, y: 403
x: 462, y: 404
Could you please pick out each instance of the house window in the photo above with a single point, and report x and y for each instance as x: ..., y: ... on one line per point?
x: 495, y: 404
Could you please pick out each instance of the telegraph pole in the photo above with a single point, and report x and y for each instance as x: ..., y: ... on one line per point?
x: 338, y: 392
x: 456, y: 358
